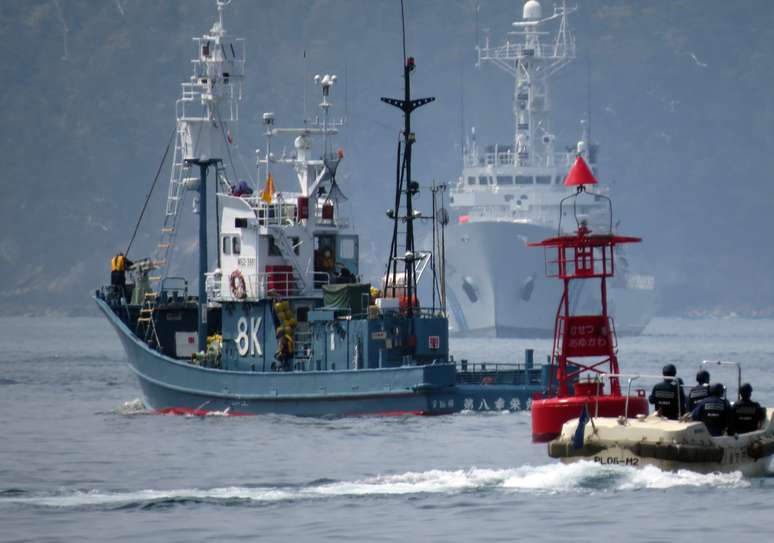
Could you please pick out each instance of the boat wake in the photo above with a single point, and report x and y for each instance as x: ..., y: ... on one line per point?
x: 137, y: 407
x: 577, y: 478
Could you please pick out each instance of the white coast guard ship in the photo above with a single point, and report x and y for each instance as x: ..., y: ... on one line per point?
x: 509, y: 195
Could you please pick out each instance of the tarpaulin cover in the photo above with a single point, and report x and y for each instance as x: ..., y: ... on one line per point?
x: 353, y: 296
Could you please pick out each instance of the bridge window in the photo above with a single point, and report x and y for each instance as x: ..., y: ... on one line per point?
x: 504, y: 180
x: 226, y: 245
x: 236, y: 245
x: 543, y: 179
x: 471, y: 180
x: 483, y: 180
x: 523, y: 180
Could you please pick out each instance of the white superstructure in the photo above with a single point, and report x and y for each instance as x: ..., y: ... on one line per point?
x: 287, y: 243
x: 521, y: 181
x: 509, y: 194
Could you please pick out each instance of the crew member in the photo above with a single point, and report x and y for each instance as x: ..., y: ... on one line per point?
x: 667, y: 396
x: 118, y: 266
x: 284, y: 352
x: 713, y: 411
x: 700, y: 391
x: 746, y: 415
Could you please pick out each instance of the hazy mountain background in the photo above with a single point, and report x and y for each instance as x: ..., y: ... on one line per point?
x: 681, y: 103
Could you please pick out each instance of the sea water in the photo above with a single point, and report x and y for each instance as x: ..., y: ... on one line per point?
x: 81, y: 459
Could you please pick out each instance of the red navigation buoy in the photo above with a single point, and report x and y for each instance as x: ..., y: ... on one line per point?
x: 580, y: 174
x: 584, y: 362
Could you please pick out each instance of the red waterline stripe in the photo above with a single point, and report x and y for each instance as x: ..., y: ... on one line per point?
x: 190, y: 412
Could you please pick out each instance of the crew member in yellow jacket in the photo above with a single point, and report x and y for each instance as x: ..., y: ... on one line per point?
x: 118, y: 265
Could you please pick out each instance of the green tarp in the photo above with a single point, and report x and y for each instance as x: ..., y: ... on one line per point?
x: 354, y: 297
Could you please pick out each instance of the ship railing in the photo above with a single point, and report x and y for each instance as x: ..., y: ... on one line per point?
x: 275, y: 214
x: 630, y: 378
x: 335, y: 220
x: 213, y: 285
x: 512, y: 51
x: 496, y: 373
x: 174, y: 290
x: 259, y: 286
x: 507, y: 157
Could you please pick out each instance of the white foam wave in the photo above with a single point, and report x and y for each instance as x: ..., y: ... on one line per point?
x: 652, y: 477
x: 132, y: 407
x: 580, y: 477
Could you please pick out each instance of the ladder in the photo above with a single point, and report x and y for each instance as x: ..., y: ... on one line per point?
x: 146, y: 325
x: 303, y: 345
x: 285, y: 245
x: 177, y: 179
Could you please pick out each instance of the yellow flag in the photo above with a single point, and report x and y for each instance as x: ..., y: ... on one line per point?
x: 268, y: 191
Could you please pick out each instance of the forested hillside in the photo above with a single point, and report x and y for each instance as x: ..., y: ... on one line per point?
x: 681, y: 104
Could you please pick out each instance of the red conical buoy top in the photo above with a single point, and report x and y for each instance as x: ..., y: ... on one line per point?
x: 580, y: 174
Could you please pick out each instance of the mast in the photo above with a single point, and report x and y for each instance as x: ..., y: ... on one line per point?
x: 208, y: 106
x: 531, y: 63
x: 407, y: 105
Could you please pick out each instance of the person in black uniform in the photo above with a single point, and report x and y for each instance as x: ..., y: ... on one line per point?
x: 700, y: 391
x: 714, y: 411
x: 746, y: 415
x: 667, y: 396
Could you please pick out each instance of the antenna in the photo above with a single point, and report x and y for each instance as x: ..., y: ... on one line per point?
x: 403, y: 28
x: 305, y: 73
x: 462, y: 112
x: 588, y: 98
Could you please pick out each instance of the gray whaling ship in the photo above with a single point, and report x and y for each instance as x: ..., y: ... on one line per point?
x: 281, y: 322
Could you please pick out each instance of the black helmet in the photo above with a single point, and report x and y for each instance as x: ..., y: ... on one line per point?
x: 703, y: 377
x: 669, y: 370
x: 745, y: 391
x: 717, y: 390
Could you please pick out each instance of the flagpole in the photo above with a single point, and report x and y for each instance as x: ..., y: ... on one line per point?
x: 268, y: 121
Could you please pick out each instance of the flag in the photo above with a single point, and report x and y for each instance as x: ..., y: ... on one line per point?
x: 577, y: 440
x: 268, y: 191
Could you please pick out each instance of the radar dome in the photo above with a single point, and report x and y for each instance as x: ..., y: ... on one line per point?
x: 532, y: 10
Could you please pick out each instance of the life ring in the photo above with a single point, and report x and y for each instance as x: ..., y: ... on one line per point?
x: 237, y: 284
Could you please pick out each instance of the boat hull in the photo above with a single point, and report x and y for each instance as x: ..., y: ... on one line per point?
x: 668, y: 445
x: 175, y: 386
x: 550, y: 414
x: 496, y: 285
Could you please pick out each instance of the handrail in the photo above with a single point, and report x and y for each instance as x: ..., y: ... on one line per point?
x: 634, y: 376
x: 728, y: 363
x: 264, y: 285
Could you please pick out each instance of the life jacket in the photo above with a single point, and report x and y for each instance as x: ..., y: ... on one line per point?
x: 697, y: 394
x: 746, y: 416
x: 668, y: 398
x: 118, y: 263
x: 713, y: 412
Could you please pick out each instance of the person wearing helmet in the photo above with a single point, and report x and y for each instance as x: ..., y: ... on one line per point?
x: 746, y: 415
x: 667, y: 396
x: 714, y: 411
x: 700, y: 391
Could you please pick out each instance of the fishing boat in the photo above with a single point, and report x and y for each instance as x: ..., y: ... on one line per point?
x: 281, y: 321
